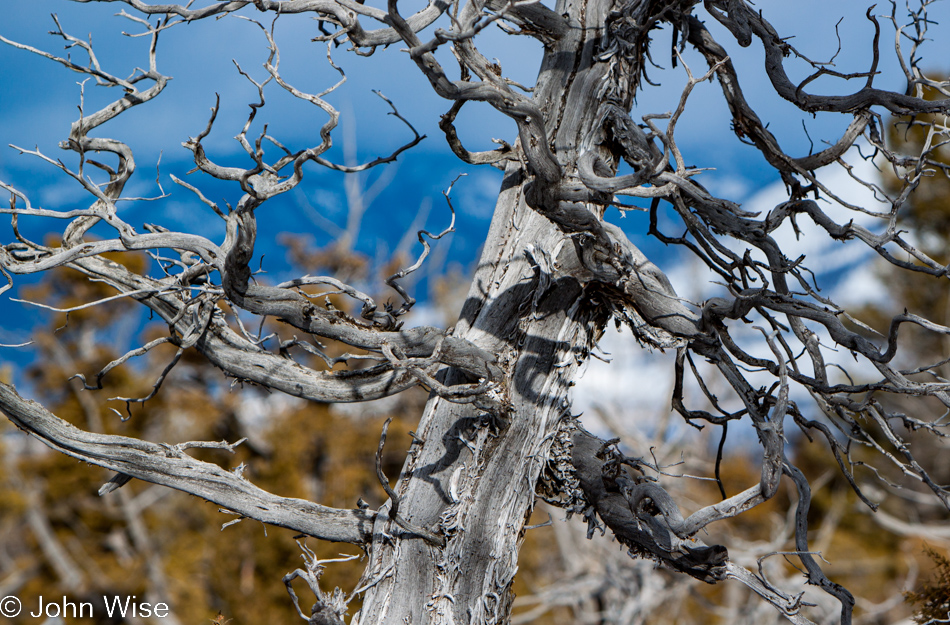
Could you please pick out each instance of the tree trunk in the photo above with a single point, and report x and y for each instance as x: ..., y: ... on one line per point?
x: 469, y: 475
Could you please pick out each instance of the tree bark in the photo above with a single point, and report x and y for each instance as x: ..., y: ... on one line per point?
x: 471, y: 475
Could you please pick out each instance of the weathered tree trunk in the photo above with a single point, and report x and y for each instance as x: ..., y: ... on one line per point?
x: 475, y: 476
x: 552, y: 274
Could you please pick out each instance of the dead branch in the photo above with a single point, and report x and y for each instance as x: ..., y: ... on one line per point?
x: 167, y: 466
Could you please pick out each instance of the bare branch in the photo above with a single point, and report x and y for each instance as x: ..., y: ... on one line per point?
x: 165, y: 465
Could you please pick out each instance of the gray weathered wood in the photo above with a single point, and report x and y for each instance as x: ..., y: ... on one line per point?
x: 552, y: 273
x: 168, y: 465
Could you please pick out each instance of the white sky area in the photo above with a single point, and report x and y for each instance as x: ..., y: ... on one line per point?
x: 637, y: 384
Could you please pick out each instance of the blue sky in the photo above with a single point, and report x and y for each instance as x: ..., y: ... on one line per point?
x: 38, y: 101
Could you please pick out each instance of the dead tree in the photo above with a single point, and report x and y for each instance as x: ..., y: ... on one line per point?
x: 498, y: 431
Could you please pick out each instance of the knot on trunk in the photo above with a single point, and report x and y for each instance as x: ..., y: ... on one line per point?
x: 641, y: 515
